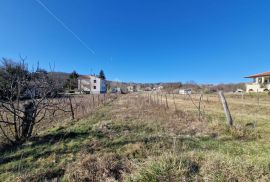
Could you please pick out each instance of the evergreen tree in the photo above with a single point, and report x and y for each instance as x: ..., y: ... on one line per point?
x: 102, y: 75
x: 72, y: 81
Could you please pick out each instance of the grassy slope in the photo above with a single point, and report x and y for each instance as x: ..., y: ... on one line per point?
x: 143, y: 137
x: 49, y: 153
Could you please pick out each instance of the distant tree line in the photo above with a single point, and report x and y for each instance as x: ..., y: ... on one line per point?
x: 71, y: 82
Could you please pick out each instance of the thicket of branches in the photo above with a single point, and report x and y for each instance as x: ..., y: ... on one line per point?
x: 71, y: 82
x: 26, y: 97
x: 30, y: 97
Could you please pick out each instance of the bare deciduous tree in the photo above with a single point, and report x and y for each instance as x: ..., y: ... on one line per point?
x: 26, y: 98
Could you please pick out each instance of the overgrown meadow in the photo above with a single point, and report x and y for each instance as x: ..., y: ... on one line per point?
x: 150, y: 137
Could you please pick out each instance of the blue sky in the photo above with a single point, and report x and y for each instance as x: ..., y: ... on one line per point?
x: 205, y: 41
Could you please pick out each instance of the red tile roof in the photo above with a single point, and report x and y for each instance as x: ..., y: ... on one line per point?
x: 84, y: 77
x: 259, y: 75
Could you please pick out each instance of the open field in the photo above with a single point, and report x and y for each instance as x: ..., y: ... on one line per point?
x: 138, y: 138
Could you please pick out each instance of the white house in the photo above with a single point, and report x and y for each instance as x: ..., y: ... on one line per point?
x: 261, y: 83
x: 185, y: 91
x: 158, y: 88
x: 91, y: 84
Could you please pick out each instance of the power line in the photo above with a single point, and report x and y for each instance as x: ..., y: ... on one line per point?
x: 65, y: 26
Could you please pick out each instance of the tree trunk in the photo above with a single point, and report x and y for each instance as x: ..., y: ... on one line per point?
x: 28, y: 120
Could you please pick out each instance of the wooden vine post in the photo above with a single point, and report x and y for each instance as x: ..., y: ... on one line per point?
x: 71, y: 108
x: 167, y: 105
x: 226, y: 108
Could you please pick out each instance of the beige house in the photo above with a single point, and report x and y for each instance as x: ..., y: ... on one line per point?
x: 130, y: 88
x: 261, y: 83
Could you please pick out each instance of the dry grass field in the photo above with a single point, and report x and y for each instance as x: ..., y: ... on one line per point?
x: 141, y: 138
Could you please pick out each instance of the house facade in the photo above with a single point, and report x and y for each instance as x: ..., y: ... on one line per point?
x: 130, y: 88
x: 260, y: 83
x: 185, y: 91
x: 91, y: 84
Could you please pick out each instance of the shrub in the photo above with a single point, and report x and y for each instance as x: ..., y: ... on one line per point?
x: 167, y: 168
x: 98, y: 169
x: 247, y: 132
x: 217, y: 167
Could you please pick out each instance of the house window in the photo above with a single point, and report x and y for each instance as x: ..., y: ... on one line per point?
x: 95, y: 87
x: 95, y: 81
